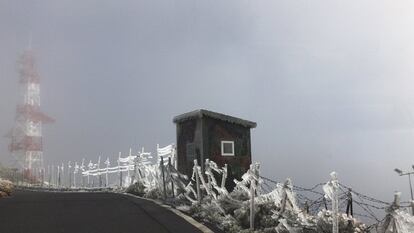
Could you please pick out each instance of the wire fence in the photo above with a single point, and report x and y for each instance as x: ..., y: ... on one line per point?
x: 208, y: 181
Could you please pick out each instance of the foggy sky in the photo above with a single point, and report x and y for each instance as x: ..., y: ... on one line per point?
x: 330, y: 83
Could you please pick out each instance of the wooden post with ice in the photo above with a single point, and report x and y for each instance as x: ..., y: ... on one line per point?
x: 331, y: 192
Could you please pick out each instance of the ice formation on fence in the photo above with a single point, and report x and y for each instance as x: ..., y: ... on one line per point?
x: 404, y: 222
x: 204, y: 196
x: 136, y: 167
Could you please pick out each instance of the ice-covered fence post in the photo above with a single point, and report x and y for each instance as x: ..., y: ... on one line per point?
x: 53, y: 178
x: 224, y: 176
x: 49, y: 174
x: 90, y: 165
x: 195, y: 170
x: 107, y: 163
x: 76, y: 170
x: 70, y: 177
x: 42, y: 171
x: 99, y: 171
x: 82, y: 167
x: 412, y: 207
x: 306, y: 207
x: 174, y: 155
x: 58, y: 179
x: 331, y: 191
x: 207, y: 170
x: 252, y: 194
x: 135, y: 170
x: 390, y: 210
x: 119, y: 170
x: 349, y: 208
x: 62, y: 179
x: 335, y: 204
x: 163, y: 177
x: 128, y: 163
x: 172, y: 181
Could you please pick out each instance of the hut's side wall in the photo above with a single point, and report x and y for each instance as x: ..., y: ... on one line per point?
x: 189, y: 145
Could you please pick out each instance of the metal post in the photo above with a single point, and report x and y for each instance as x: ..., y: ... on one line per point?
x: 163, y: 177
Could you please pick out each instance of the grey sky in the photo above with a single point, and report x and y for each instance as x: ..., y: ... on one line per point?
x: 330, y: 83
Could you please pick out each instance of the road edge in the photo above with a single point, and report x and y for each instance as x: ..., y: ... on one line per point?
x: 203, y: 228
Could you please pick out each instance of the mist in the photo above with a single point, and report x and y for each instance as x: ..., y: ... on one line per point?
x: 329, y: 83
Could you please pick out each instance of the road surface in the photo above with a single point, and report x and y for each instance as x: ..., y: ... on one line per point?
x: 43, y: 212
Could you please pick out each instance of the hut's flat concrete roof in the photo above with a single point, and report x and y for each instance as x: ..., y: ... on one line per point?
x: 199, y: 113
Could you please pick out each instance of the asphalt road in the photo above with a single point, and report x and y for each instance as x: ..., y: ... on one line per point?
x: 42, y: 212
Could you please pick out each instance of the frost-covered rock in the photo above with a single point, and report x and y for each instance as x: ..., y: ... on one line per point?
x: 6, y: 187
x: 137, y: 189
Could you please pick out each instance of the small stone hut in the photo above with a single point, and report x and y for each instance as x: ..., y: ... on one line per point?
x: 203, y: 134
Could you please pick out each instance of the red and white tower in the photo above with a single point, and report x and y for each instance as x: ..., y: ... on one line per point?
x: 26, y: 136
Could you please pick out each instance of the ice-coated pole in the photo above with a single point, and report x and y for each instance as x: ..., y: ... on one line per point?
x: 334, y: 180
x: 252, y: 187
x: 163, y: 177
x: 172, y: 181
x: 195, y: 169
